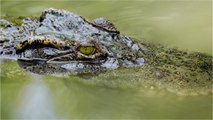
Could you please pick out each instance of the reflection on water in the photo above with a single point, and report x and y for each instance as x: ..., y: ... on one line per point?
x: 35, y: 100
x: 30, y: 96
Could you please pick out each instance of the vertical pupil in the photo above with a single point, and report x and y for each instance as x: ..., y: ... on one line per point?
x: 86, y: 50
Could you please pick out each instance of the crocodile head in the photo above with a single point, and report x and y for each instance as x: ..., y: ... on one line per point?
x: 62, y: 41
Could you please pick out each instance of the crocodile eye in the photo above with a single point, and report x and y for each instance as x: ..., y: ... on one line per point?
x: 87, y: 50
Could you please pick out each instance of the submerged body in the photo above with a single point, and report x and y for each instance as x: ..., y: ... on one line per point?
x: 61, y: 41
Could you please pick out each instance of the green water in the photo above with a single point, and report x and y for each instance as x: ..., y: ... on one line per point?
x: 118, y: 94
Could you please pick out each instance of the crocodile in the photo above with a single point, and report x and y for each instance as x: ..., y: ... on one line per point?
x: 59, y: 41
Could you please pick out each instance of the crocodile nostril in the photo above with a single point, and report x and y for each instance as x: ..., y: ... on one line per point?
x: 9, y: 25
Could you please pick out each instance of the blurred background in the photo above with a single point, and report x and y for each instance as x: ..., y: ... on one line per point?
x: 184, y: 24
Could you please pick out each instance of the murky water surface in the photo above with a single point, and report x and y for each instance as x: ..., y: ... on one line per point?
x: 185, y: 24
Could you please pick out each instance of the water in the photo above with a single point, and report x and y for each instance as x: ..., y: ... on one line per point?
x: 182, y: 24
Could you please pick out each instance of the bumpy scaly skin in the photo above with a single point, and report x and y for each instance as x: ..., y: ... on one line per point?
x: 106, y: 24
x: 52, y: 44
x: 56, y: 38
